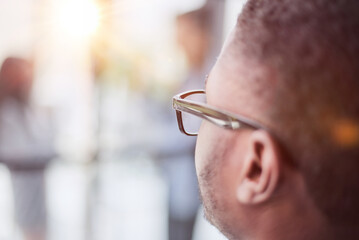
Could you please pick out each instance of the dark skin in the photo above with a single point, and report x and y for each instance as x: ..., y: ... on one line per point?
x: 248, y: 188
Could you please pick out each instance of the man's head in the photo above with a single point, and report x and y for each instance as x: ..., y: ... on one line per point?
x: 292, y: 65
x: 16, y: 79
x: 193, y: 35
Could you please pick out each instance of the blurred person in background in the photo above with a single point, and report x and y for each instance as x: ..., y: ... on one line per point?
x: 26, y: 146
x: 278, y: 154
x: 194, y: 38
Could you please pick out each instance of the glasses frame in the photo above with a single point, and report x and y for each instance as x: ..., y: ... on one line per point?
x: 214, y: 115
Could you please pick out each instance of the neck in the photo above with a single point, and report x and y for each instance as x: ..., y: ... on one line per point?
x: 290, y: 215
x: 291, y: 222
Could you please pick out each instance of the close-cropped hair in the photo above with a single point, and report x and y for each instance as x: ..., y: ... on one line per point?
x: 312, y: 49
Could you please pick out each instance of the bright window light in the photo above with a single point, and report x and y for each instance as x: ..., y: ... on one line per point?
x: 77, y: 18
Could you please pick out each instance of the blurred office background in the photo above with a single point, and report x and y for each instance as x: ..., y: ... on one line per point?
x: 107, y: 70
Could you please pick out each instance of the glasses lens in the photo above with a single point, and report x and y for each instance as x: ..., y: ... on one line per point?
x: 192, y: 123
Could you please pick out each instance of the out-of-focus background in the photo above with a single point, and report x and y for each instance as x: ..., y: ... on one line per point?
x: 89, y: 144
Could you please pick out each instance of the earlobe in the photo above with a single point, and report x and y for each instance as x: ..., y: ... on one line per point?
x: 260, y: 173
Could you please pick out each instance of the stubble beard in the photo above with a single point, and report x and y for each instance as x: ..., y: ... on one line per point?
x: 215, y: 210
x: 206, y: 193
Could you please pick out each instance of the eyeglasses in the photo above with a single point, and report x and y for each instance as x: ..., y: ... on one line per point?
x: 191, y: 108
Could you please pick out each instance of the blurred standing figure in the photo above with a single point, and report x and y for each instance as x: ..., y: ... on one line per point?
x: 193, y: 36
x: 26, y: 146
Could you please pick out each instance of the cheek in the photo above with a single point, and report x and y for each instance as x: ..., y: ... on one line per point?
x: 212, y: 143
x: 204, y: 146
x: 221, y: 152
x: 211, y: 148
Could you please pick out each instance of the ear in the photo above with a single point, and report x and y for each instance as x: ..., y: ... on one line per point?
x: 260, y: 172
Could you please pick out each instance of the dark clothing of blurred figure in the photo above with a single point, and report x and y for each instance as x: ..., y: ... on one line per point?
x: 26, y: 146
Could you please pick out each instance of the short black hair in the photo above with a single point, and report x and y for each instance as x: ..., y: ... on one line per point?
x: 312, y: 46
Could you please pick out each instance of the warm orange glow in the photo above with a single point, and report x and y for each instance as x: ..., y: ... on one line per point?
x: 346, y: 133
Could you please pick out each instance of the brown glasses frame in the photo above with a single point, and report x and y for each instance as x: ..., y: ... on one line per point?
x: 212, y: 114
